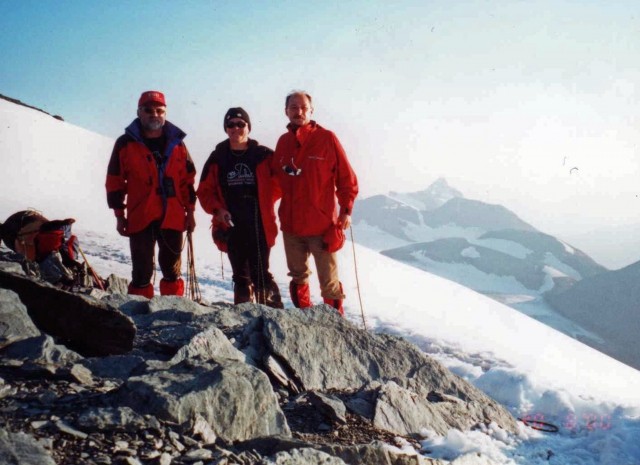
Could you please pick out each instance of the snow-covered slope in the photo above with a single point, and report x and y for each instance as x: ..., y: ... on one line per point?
x: 52, y: 166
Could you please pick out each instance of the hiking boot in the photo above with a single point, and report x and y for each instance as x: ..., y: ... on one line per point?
x: 172, y: 287
x: 144, y: 291
x: 300, y: 295
x: 242, y: 293
x: 270, y: 296
x: 335, y: 303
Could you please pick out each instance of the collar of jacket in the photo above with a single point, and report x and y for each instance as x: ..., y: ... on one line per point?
x: 172, y: 132
x: 302, y: 132
x: 224, y: 148
x: 226, y: 145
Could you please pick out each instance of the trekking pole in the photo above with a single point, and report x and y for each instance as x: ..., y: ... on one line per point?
x: 355, y: 266
x: 193, y: 288
x: 222, y: 264
x: 96, y: 278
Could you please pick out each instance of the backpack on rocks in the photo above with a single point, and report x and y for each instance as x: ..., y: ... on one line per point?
x: 50, y: 244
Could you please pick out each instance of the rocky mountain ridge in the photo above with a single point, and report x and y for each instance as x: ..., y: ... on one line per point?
x: 482, y: 246
x: 607, y: 305
x: 218, y: 384
x: 489, y: 249
x: 19, y: 102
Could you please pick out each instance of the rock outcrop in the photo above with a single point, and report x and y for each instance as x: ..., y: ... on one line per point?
x: 215, y: 384
x: 87, y: 324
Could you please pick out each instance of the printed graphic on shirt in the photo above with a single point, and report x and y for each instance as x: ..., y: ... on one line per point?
x: 241, y: 175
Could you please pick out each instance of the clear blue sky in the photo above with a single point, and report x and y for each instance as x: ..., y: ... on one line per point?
x: 500, y: 97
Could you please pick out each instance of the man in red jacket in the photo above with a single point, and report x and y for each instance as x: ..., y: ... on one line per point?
x: 151, y: 170
x: 313, y: 171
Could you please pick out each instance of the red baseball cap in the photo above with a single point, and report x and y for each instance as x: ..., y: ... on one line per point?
x: 151, y: 96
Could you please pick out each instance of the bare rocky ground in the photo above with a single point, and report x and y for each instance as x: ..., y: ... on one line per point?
x: 108, y: 378
x: 48, y: 409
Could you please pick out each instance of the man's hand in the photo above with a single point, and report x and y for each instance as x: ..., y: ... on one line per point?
x: 223, y: 216
x: 121, y: 226
x: 190, y: 222
x: 344, y: 221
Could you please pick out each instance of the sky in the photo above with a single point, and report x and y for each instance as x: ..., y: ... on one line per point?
x: 513, y: 102
x: 536, y: 372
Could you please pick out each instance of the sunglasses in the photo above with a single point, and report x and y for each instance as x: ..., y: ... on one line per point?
x: 154, y: 111
x: 239, y: 124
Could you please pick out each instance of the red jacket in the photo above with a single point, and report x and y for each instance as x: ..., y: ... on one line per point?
x: 133, y: 177
x: 308, y: 206
x: 211, y: 196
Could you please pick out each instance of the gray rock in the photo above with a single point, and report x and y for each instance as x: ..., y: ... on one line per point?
x: 15, y: 323
x: 117, y: 285
x: 306, y: 456
x: 88, y: 326
x: 374, y: 453
x: 377, y: 453
x: 404, y: 412
x: 326, y: 352
x: 166, y: 332
x: 180, y: 304
x: 132, y: 461
x: 201, y: 428
x: 232, y: 316
x: 6, y: 389
x: 68, y: 429
x: 112, y: 419
x: 11, y: 267
x: 128, y: 304
x: 198, y: 454
x: 207, y: 345
x: 40, y: 350
x: 115, y: 366
x: 281, y: 374
x: 81, y: 374
x: 362, y: 407
x: 22, y: 449
x: 234, y: 398
x: 330, y: 406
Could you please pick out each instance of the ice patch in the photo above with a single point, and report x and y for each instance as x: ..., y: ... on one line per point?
x: 470, y: 252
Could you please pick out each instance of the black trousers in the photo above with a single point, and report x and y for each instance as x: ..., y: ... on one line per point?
x: 249, y: 255
x: 143, y: 245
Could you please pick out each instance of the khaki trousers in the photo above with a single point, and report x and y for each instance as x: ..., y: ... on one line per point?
x: 297, y: 250
x: 143, y: 245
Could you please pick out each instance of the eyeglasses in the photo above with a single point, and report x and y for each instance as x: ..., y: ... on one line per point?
x: 292, y: 169
x: 238, y: 124
x: 154, y: 111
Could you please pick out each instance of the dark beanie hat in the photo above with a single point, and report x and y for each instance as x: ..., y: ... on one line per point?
x: 237, y: 112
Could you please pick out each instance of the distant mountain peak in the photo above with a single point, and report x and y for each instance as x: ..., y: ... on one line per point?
x: 439, y: 183
x: 434, y: 196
